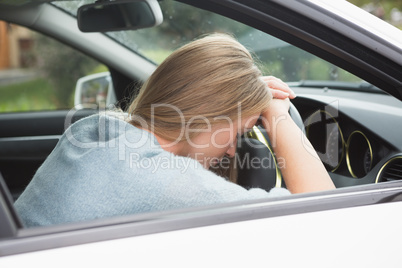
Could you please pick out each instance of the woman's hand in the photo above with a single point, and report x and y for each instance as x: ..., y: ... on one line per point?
x: 279, y: 89
x: 303, y: 170
x: 281, y: 94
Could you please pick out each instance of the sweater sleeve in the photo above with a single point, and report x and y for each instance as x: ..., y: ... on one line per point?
x: 199, y: 186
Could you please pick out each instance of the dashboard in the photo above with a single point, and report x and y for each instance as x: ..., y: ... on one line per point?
x: 356, y: 134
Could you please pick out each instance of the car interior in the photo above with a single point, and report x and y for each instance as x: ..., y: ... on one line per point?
x: 353, y: 124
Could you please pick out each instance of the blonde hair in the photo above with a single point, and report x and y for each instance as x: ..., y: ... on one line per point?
x: 204, y: 79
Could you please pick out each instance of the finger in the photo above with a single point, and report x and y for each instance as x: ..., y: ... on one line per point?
x: 278, y: 84
x: 275, y: 84
x: 279, y: 94
x: 273, y: 79
x: 270, y: 77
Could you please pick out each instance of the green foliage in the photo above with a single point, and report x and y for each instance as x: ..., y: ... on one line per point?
x: 98, y: 69
x: 34, y: 95
x: 62, y: 65
x: 181, y: 24
x: 377, y: 5
x: 156, y: 55
x: 387, y: 4
x: 188, y: 23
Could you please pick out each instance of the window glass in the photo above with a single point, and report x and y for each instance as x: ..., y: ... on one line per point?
x: 38, y: 73
x: 183, y: 23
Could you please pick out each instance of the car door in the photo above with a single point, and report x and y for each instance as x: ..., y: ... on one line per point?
x: 349, y: 226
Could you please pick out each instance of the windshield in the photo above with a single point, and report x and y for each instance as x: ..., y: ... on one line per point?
x: 183, y: 23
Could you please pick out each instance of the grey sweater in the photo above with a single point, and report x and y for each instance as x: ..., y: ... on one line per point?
x: 104, y: 167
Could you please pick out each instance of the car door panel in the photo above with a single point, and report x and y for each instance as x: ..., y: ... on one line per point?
x: 26, y: 141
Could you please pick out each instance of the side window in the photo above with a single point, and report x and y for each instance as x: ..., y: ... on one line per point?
x: 184, y: 23
x: 38, y: 73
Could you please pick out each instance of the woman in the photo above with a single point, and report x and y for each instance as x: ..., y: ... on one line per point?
x: 186, y: 117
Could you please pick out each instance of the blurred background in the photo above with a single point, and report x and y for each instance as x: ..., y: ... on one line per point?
x: 389, y: 10
x: 38, y: 73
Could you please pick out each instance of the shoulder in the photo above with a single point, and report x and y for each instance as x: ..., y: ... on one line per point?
x: 106, y: 130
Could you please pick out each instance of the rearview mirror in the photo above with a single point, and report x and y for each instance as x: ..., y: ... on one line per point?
x: 105, y: 16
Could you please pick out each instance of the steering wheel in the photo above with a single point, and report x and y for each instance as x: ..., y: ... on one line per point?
x: 257, y: 166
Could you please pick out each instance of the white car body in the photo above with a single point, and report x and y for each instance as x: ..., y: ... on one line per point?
x: 351, y: 227
x: 315, y: 239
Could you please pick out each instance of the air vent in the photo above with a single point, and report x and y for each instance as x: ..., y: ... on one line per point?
x: 391, y: 171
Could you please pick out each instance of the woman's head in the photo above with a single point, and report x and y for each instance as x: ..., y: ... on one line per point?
x: 209, y: 82
x: 201, y: 84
